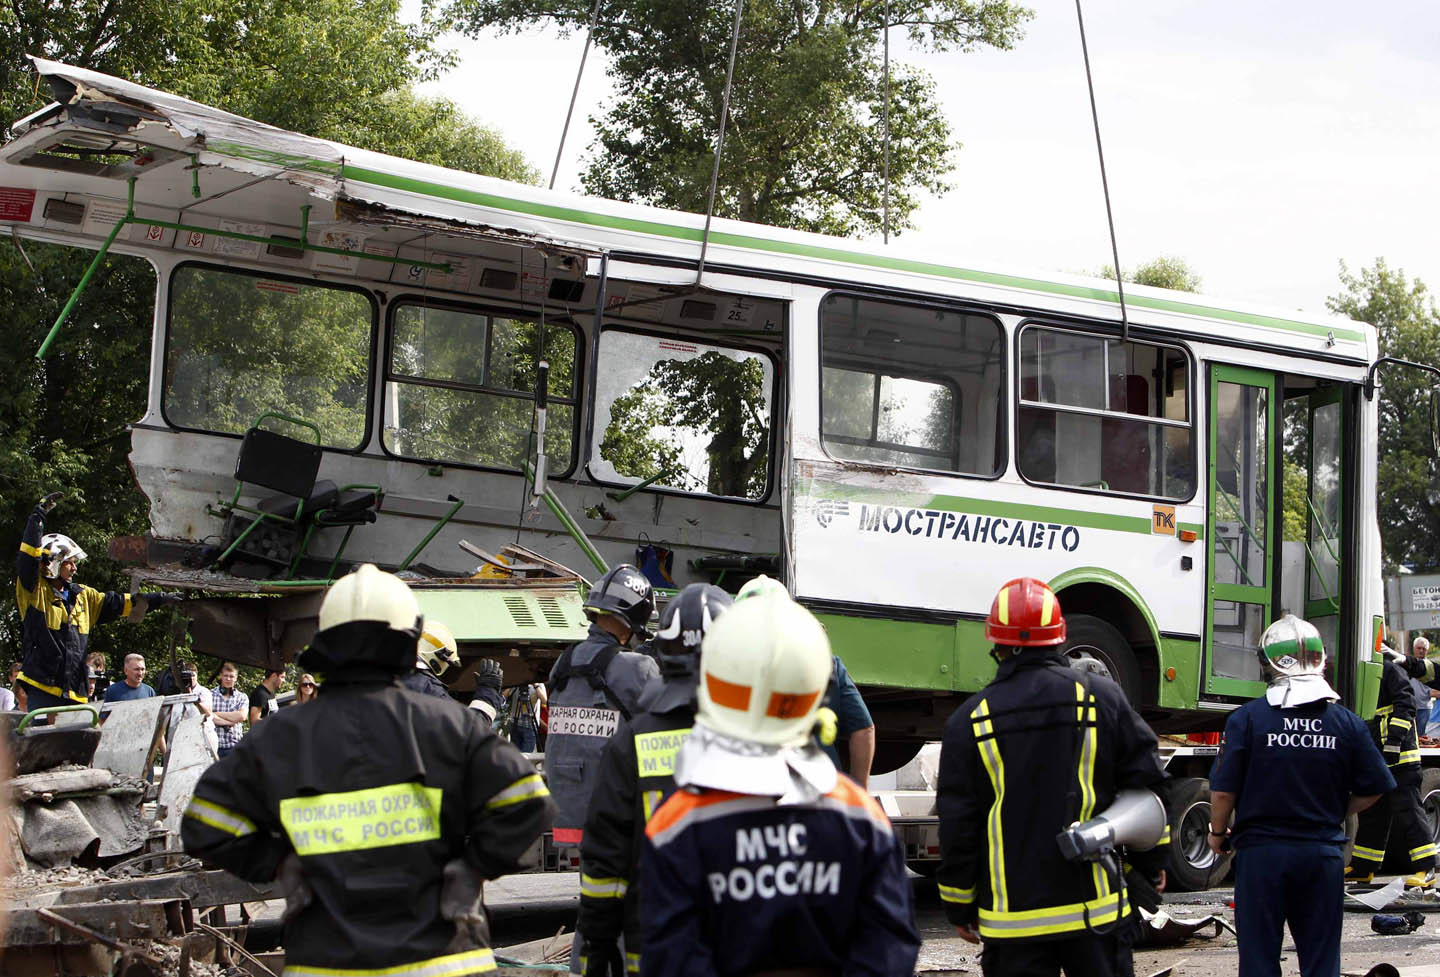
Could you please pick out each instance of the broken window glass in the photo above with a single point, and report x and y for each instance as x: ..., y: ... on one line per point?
x: 693, y: 416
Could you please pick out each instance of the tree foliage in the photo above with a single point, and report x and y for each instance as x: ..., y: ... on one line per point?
x: 339, y: 69
x: 1404, y: 314
x: 1161, y: 272
x: 804, y: 147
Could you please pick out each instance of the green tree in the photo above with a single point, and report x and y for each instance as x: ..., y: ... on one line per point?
x: 339, y: 69
x: 804, y: 147
x: 1404, y: 315
x: 1162, y: 272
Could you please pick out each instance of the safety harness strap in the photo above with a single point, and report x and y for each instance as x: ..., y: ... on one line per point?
x: 593, y: 672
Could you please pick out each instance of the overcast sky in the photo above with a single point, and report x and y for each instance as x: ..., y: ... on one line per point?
x: 1262, y: 142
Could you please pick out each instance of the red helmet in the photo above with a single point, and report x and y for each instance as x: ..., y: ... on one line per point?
x: 1026, y: 613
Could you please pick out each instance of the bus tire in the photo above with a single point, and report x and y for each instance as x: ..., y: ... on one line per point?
x: 1087, y: 635
x: 1192, y: 866
x: 1430, y: 799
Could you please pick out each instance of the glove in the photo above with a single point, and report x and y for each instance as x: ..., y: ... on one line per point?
x: 153, y: 601
x: 292, y: 883
x: 49, y: 502
x: 1394, y: 655
x: 601, y: 958
x: 827, y: 724
x: 488, y: 674
x: 461, y: 891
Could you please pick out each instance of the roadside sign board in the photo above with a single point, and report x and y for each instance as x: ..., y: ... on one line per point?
x: 1412, y: 602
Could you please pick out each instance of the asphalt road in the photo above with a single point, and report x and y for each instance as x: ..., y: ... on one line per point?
x: 530, y: 907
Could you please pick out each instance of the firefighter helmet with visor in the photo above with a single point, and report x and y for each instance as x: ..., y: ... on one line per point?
x: 624, y: 592
x: 368, y: 617
x: 1025, y: 614
x: 436, y: 647
x: 58, y: 549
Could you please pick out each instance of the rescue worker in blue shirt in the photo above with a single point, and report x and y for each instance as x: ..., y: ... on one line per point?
x: 636, y: 774
x: 1042, y: 746
x: 765, y: 859
x: 853, y: 724
x: 57, y: 613
x: 379, y: 810
x: 1397, y: 817
x: 1293, y: 764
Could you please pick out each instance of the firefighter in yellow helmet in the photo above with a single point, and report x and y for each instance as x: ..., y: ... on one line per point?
x: 1042, y: 746
x: 435, y: 651
x: 766, y: 859
x: 381, y: 810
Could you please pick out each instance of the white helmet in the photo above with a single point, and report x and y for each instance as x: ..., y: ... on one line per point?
x: 368, y: 618
x: 760, y: 585
x: 764, y: 666
x: 1292, y: 647
x: 58, y: 548
x: 436, y: 649
x: 369, y: 594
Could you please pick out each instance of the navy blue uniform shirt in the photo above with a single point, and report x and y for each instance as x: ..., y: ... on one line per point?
x: 1294, y: 771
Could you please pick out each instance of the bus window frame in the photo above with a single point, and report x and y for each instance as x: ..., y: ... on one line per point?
x: 777, y: 387
x: 1108, y: 334
x: 1002, y: 433
x: 371, y: 362
x: 388, y: 376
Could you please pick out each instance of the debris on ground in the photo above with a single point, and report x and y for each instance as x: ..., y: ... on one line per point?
x: 1387, y: 924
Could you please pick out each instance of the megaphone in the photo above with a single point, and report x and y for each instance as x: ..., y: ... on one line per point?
x: 1136, y: 819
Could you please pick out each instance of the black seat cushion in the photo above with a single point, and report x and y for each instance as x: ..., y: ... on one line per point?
x: 323, y: 495
x: 280, y: 464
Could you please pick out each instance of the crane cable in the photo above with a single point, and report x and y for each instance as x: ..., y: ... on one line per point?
x: 720, y: 140
x: 1104, y: 182
x: 574, y: 94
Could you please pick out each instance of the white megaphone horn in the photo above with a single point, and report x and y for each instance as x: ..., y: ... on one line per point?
x: 1136, y: 820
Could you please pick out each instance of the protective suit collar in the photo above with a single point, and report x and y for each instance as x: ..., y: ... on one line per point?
x: 1292, y: 691
x: 793, y: 775
x: 356, y: 646
x: 665, y: 694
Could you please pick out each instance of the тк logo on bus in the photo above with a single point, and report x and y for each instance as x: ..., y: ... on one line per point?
x: 936, y: 524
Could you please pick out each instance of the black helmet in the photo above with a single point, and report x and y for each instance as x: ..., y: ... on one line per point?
x: 683, y: 627
x: 624, y: 592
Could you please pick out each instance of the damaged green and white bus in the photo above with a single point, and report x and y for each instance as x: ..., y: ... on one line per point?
x: 892, y: 435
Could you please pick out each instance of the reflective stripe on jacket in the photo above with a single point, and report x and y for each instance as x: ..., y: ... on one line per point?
x: 1038, y: 748
x: 1393, y: 724
x: 376, y: 788
x: 636, y: 775
x: 55, y: 632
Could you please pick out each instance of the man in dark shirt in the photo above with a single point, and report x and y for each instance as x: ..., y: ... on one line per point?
x: 262, y: 700
x: 1294, y: 763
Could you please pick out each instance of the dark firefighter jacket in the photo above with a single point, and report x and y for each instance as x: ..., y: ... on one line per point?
x: 425, y: 682
x: 593, y: 687
x: 375, y: 788
x: 1038, y: 748
x: 637, y: 771
x: 56, y: 628
x: 735, y: 884
x: 1393, y: 725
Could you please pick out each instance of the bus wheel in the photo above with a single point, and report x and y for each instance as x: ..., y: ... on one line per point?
x: 1092, y: 637
x: 1430, y: 800
x: 893, y: 754
x: 1192, y: 866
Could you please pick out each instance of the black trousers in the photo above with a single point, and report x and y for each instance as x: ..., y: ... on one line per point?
x: 1081, y: 955
x: 1397, y: 820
